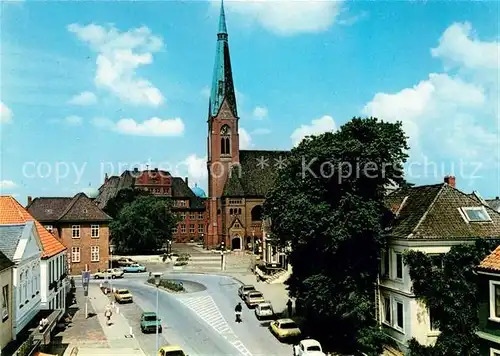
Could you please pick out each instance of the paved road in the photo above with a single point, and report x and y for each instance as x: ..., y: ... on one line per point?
x: 202, y: 322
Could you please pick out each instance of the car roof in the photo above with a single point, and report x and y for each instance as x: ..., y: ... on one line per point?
x: 310, y: 342
x: 149, y: 313
x: 123, y: 290
x: 265, y: 304
x: 286, y: 320
x: 248, y: 286
x: 171, y: 348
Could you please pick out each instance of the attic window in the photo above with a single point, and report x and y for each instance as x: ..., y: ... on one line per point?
x: 476, y: 214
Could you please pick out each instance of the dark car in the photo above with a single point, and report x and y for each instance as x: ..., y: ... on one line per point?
x: 244, y: 290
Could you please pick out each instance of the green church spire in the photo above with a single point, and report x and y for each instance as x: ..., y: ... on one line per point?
x: 222, y: 83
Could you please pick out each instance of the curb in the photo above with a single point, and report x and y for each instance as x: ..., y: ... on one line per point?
x: 214, y: 274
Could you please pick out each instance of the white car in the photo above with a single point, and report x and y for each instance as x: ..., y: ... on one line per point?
x: 308, y: 347
x: 264, y: 311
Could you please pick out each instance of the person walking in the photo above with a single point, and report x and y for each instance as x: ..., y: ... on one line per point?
x: 289, y: 306
x: 237, y: 312
x: 108, y: 313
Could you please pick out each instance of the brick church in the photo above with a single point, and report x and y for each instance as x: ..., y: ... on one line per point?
x: 238, y: 180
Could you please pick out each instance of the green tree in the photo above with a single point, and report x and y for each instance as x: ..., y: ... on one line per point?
x: 144, y: 225
x: 448, y: 287
x: 327, y: 205
x: 124, y: 197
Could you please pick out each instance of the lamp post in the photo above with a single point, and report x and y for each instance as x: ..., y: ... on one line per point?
x: 169, y: 247
x: 253, y: 248
x: 111, y: 250
x: 157, y: 276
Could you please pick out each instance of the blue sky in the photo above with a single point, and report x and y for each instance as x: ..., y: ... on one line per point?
x: 93, y: 87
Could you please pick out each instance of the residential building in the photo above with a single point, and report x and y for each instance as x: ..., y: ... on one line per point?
x: 21, y: 244
x: 6, y: 288
x: 53, y: 269
x: 431, y: 219
x: 78, y: 224
x: 238, y: 180
x: 188, y: 203
x: 489, y: 304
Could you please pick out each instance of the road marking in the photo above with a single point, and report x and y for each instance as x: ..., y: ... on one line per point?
x: 208, y: 311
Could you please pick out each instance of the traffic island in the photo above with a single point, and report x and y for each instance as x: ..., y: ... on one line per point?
x: 169, y: 285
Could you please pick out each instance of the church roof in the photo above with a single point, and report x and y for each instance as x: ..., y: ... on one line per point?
x: 222, y: 82
x: 256, y: 173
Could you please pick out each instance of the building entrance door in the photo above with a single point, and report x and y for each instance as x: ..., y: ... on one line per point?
x: 236, y: 243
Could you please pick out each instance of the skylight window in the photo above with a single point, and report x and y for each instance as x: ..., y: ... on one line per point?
x: 476, y: 214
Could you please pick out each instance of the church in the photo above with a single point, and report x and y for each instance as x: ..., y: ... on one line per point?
x: 238, y: 180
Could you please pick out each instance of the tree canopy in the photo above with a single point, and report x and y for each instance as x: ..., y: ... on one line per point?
x: 144, y: 225
x: 124, y: 197
x: 452, y: 296
x: 327, y: 206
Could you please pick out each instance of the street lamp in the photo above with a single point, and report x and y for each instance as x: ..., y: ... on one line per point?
x: 111, y: 250
x: 157, y: 277
x: 169, y: 247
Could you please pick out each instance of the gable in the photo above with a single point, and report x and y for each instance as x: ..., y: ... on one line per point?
x: 29, y: 244
x: 10, y: 235
x: 236, y: 224
x: 82, y: 208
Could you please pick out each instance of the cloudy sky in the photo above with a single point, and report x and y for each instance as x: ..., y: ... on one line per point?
x: 92, y: 87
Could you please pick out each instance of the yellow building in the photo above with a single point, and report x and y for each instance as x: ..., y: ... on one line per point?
x: 5, y: 300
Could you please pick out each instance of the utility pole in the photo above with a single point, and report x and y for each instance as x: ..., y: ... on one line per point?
x: 253, y: 248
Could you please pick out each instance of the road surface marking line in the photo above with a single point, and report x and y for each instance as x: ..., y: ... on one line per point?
x: 219, y: 324
x: 209, y: 313
x: 214, y: 318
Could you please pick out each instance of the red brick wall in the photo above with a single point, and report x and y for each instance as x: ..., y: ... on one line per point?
x: 178, y: 236
x: 85, y: 242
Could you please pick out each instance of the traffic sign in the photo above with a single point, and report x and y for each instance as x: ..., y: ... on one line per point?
x: 85, y: 278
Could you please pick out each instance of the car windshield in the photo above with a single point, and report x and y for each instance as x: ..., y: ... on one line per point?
x: 255, y: 295
x: 265, y: 307
x: 175, y: 353
x: 247, y: 288
x: 150, y: 317
x: 288, y: 326
x: 123, y: 291
x: 314, y: 348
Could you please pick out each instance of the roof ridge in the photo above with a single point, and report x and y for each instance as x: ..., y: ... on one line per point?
x: 424, y: 216
x: 70, y: 205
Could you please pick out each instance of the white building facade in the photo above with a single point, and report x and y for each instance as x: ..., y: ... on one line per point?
x: 54, y: 282
x: 25, y: 253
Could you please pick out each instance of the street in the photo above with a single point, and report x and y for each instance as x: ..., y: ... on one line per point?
x: 201, y: 321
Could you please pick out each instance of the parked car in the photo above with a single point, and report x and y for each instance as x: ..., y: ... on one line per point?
x: 125, y: 261
x: 109, y: 273
x: 252, y: 299
x: 243, y: 290
x: 285, y: 329
x: 123, y: 296
x: 134, y: 268
x: 149, y: 322
x: 308, y: 347
x: 171, y: 350
x: 264, y: 311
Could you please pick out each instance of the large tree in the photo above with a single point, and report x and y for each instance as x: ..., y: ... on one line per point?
x: 327, y: 205
x: 144, y: 225
x: 124, y: 197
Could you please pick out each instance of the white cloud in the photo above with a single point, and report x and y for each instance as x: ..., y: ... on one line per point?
x: 5, y: 114
x: 317, y: 127
x: 195, y: 167
x: 245, y: 139
x: 449, y: 115
x: 151, y: 127
x: 84, y: 98
x: 260, y: 112
x: 7, y: 185
x: 261, y: 131
x: 73, y: 120
x: 286, y: 17
x: 119, y: 55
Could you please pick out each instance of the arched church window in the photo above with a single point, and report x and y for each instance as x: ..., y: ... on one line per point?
x: 225, y: 141
x: 256, y: 213
x: 231, y: 211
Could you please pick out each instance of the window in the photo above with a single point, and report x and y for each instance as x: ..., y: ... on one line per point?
x: 476, y: 214
x: 385, y: 265
x: 201, y: 229
x: 183, y: 228
x: 49, y: 228
x: 75, y: 254
x: 399, y: 316
x: 494, y: 352
x: 225, y: 141
x: 94, y: 254
x: 51, y: 278
x: 183, y: 216
x: 75, y: 231
x: 174, y: 230
x: 387, y: 309
x: 182, y: 203
x: 201, y: 216
x: 94, y: 230
x: 433, y: 323
x: 191, y: 228
x: 399, y: 266
x: 5, y: 302
x: 192, y: 216
x: 495, y: 301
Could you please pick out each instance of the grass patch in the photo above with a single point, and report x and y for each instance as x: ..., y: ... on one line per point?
x: 169, y: 284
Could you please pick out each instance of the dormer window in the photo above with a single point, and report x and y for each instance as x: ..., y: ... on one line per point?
x: 476, y: 214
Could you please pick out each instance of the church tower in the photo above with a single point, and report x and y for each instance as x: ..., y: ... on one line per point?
x: 223, y: 138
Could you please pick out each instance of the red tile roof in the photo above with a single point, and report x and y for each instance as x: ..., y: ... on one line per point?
x: 11, y: 212
x: 492, y: 261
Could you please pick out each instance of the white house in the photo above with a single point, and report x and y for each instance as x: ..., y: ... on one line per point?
x: 54, y: 281
x: 430, y: 219
x: 21, y: 244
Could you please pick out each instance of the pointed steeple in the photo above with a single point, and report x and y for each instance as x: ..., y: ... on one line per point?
x: 222, y: 83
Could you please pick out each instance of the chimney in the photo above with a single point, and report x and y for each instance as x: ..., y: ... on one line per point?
x: 106, y: 178
x: 450, y: 180
x: 136, y: 170
x: 187, y: 181
x: 30, y: 199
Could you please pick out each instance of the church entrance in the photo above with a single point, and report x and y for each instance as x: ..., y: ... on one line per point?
x: 236, y: 243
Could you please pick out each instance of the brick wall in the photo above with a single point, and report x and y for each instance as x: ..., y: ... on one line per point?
x: 197, y: 223
x: 85, y: 243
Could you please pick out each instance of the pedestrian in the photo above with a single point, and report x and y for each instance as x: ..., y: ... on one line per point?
x: 237, y: 312
x: 289, y: 305
x: 108, y: 313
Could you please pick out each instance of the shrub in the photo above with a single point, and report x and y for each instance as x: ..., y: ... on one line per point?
x: 180, y: 263
x: 169, y: 284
